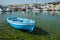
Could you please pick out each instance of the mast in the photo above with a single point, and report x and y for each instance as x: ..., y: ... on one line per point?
x: 36, y: 3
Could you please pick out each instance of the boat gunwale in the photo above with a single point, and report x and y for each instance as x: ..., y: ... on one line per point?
x: 33, y: 22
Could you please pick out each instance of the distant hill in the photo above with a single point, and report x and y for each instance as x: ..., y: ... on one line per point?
x: 54, y: 3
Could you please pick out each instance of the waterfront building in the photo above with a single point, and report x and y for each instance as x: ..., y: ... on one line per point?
x: 57, y: 7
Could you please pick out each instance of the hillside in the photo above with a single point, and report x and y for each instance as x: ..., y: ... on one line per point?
x: 54, y: 3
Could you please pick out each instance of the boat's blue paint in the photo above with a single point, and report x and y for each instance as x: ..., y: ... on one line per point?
x: 21, y: 23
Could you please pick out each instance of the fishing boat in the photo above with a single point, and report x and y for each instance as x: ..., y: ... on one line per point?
x: 21, y: 23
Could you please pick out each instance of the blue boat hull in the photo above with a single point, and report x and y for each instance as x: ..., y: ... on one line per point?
x: 23, y: 27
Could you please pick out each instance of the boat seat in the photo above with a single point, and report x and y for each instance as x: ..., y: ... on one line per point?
x: 12, y: 18
x: 15, y: 20
x: 21, y: 21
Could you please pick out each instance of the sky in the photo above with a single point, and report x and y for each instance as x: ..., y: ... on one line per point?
x: 13, y: 2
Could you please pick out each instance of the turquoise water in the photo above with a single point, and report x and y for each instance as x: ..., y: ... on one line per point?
x: 47, y: 23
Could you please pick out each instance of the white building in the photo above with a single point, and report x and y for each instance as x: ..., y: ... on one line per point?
x: 57, y: 7
x: 45, y: 7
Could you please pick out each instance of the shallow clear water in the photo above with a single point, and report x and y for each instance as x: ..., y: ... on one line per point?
x: 35, y: 15
x: 49, y: 21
